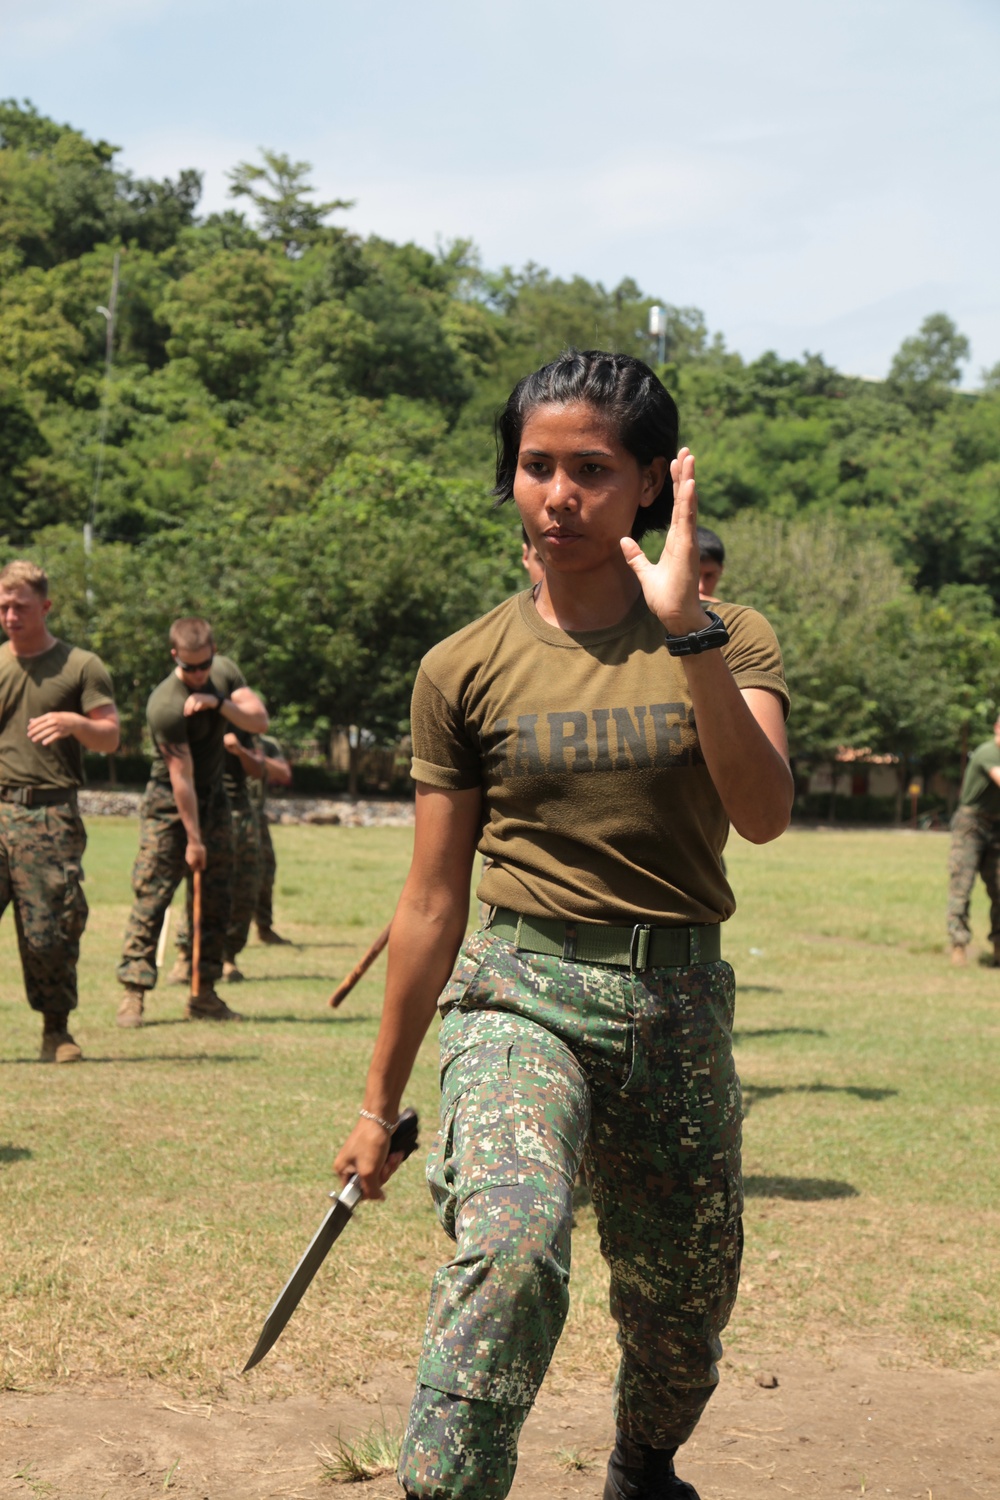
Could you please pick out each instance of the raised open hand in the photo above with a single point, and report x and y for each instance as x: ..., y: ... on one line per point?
x: 670, y: 586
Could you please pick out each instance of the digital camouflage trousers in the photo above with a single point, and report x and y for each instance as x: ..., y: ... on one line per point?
x: 159, y: 868
x: 264, y: 913
x: 546, y: 1063
x: 974, y: 850
x: 245, y: 885
x: 41, y: 849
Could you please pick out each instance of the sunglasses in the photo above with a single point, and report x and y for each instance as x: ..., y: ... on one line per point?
x: 195, y: 666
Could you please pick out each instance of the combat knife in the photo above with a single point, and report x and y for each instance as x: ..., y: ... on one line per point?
x: 404, y: 1138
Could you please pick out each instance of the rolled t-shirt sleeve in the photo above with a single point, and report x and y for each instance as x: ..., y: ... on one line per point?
x: 167, y: 724
x: 226, y: 676
x: 444, y: 755
x: 753, y: 654
x: 96, y: 689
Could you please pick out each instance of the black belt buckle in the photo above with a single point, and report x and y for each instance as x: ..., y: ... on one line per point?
x: 638, y: 948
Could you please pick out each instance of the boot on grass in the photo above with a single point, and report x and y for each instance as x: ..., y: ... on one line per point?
x: 271, y: 938
x: 57, y: 1044
x: 231, y: 974
x: 181, y: 971
x: 636, y: 1472
x: 208, y: 1006
x: 131, y: 1007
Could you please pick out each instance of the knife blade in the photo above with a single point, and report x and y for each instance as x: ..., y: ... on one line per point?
x: 404, y: 1139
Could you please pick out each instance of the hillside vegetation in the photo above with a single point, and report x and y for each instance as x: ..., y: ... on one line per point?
x: 267, y: 419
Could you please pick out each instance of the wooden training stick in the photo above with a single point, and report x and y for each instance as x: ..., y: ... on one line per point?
x: 196, y: 936
x: 345, y: 986
x: 161, y: 944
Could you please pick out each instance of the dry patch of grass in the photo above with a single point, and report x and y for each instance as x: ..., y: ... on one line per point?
x: 156, y: 1197
x: 370, y: 1455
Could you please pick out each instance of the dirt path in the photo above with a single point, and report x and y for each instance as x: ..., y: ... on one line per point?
x: 848, y: 1426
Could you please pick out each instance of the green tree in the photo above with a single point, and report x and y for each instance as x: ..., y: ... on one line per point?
x: 928, y: 365
x: 287, y: 212
x: 226, y: 319
x: 60, y: 194
x: 20, y: 440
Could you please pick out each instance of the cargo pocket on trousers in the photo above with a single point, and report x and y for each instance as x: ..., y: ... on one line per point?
x: 75, y: 909
x: 477, y: 1147
x: 461, y: 983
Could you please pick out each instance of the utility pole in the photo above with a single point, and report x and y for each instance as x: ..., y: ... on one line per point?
x: 108, y: 314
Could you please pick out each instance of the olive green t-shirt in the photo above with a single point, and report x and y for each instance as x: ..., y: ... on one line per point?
x: 258, y: 787
x: 202, y: 732
x: 63, y: 679
x: 979, y: 790
x: 235, y: 779
x: 597, y: 804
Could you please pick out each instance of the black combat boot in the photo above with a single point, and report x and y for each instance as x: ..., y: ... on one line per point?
x: 636, y: 1472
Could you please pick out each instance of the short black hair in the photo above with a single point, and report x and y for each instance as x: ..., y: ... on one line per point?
x: 710, y: 548
x: 641, y: 412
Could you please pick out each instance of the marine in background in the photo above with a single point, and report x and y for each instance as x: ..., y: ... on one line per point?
x: 277, y: 772
x: 185, y: 821
x: 711, y: 563
x: 56, y: 700
x: 975, y: 847
x: 244, y: 768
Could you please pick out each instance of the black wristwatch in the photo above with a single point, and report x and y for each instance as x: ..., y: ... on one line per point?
x: 714, y: 634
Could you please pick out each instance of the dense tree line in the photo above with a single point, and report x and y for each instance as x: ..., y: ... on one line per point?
x: 266, y: 418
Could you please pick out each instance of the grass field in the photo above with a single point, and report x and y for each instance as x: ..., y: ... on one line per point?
x: 155, y: 1198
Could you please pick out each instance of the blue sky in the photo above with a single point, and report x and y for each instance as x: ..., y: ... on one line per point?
x: 812, y: 174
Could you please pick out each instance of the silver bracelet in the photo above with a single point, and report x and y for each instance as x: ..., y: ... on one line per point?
x: 366, y: 1114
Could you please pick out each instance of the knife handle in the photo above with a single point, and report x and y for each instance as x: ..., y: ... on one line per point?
x: 404, y: 1138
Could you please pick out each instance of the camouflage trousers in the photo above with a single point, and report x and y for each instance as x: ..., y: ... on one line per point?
x: 40, y: 873
x: 160, y: 867
x: 245, y: 885
x: 264, y: 912
x: 546, y: 1063
x: 975, y: 850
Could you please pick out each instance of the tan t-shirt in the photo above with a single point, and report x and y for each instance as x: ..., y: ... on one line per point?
x: 64, y: 679
x: 597, y: 802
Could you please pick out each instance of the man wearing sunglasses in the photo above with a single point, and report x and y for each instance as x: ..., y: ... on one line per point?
x: 185, y: 818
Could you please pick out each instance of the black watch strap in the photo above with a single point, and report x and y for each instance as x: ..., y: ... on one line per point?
x: 714, y: 634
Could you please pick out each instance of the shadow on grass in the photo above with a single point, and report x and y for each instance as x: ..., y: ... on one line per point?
x: 803, y: 1189
x: 146, y: 1057
x: 294, y: 944
x: 758, y: 989
x: 250, y: 1019
x: 755, y: 1093
x: 14, y: 1153
x: 322, y: 1020
x: 251, y: 979
x: 752, y: 1033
